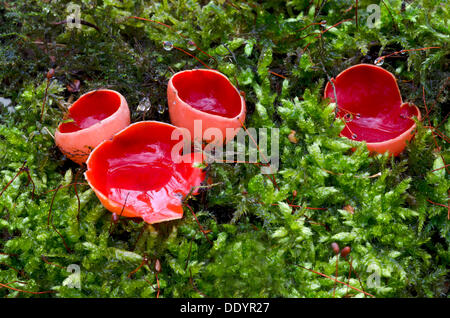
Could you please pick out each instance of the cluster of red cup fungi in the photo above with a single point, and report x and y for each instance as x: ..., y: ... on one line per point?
x: 133, y: 170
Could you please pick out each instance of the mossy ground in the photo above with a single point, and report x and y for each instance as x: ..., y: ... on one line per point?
x: 399, y: 228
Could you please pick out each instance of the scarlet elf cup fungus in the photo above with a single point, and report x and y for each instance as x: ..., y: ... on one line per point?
x: 206, y: 97
x: 94, y: 117
x: 138, y: 173
x: 369, y: 101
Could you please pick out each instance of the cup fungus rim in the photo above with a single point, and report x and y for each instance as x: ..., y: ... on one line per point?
x: 198, y: 112
x: 364, y: 65
x: 122, y: 103
x: 403, y: 137
x: 126, y: 211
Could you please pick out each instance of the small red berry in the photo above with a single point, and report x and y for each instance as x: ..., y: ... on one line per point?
x: 50, y: 73
x: 292, y: 137
x: 335, y: 247
x: 345, y: 251
x: 157, y: 266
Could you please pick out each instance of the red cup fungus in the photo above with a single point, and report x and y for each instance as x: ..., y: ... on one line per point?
x: 94, y: 117
x: 138, y: 173
x: 370, y: 103
x: 206, y: 97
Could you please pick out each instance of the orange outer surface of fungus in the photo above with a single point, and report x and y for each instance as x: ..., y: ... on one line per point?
x: 96, y: 116
x: 209, y: 96
x: 370, y: 103
x: 140, y: 173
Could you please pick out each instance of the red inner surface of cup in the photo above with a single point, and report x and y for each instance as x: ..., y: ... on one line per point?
x: 91, y: 109
x: 370, y: 102
x: 208, y: 92
x: 137, y: 167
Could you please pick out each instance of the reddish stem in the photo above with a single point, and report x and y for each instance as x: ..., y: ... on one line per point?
x: 144, y: 261
x: 279, y: 75
x: 354, y: 288
x: 26, y: 291
x: 435, y: 203
x: 410, y: 50
x: 336, y: 275
x: 439, y: 133
x: 65, y: 186
x: 160, y: 23
x: 157, y: 283
x: 181, y: 35
x: 44, y: 258
x: 198, y: 223
x: 326, y: 30
x: 440, y: 168
x: 192, y: 56
x: 7, y: 254
x: 23, y: 168
x: 311, y: 24
x: 121, y: 211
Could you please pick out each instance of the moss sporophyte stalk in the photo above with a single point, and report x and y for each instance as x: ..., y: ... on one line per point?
x: 296, y: 202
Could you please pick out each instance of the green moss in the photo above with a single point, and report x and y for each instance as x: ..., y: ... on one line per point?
x: 259, y: 242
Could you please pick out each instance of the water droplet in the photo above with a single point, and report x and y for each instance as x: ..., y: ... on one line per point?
x: 161, y: 109
x: 323, y: 22
x: 144, y: 105
x: 354, y: 136
x: 191, y: 45
x: 403, y: 52
x: 179, y: 195
x: 358, y: 115
x: 348, y: 117
x: 379, y: 61
x: 167, y: 45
